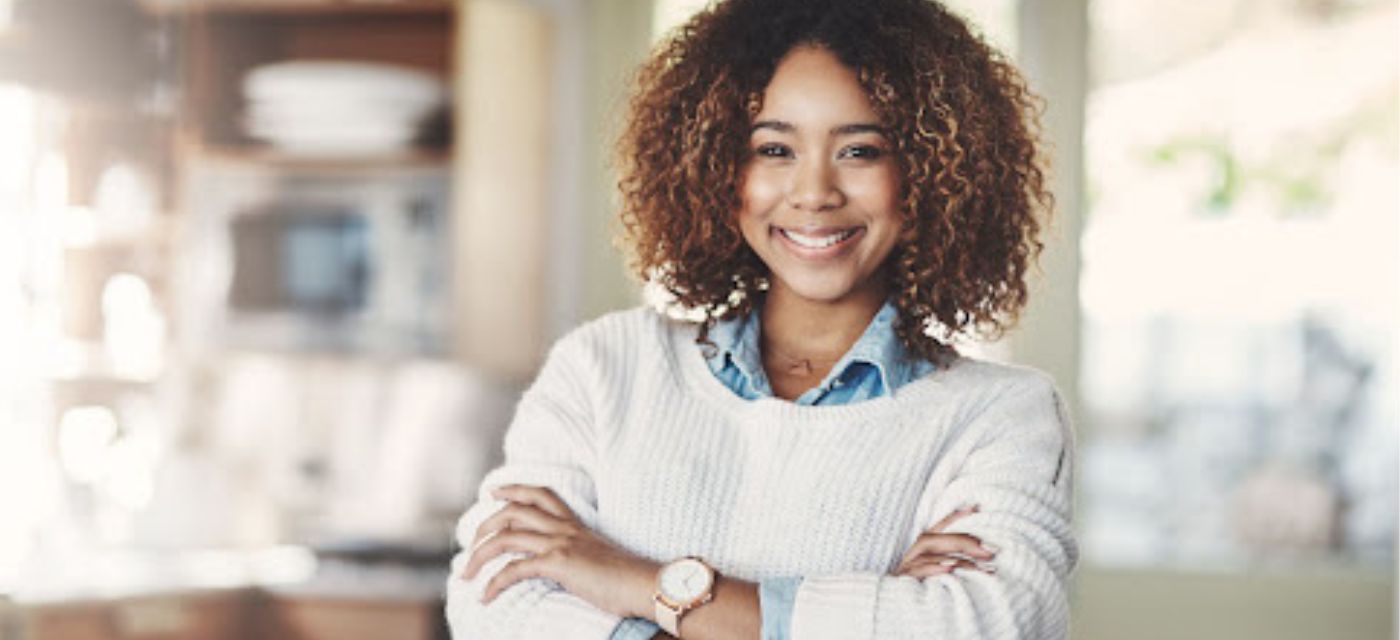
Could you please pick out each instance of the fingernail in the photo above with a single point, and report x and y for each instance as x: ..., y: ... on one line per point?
x: 987, y: 567
x: 948, y: 562
x: 991, y: 548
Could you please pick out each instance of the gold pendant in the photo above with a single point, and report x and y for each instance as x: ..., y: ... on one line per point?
x: 800, y: 368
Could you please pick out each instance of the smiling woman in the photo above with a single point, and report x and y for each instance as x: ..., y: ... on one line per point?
x: 820, y: 208
x: 820, y: 198
x: 835, y: 190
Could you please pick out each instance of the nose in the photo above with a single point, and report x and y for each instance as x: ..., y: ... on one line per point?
x: 813, y: 187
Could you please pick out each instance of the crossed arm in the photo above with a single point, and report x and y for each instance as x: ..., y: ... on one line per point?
x: 554, y: 545
x: 534, y: 566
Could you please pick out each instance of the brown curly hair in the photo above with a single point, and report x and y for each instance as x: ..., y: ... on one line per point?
x: 963, y: 125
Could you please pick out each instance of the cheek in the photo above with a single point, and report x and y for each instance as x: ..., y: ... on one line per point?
x: 760, y: 191
x: 753, y: 226
x: 878, y: 190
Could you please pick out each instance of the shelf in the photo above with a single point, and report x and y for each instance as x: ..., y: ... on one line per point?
x: 299, y: 7
x: 222, y: 49
x: 273, y: 159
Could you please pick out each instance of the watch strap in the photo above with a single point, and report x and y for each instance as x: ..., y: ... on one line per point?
x: 668, y: 617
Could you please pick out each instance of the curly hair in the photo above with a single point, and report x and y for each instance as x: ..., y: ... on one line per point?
x: 963, y: 125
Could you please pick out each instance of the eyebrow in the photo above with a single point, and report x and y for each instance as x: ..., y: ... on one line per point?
x: 845, y: 129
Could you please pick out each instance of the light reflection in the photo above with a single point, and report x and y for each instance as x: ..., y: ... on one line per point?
x: 133, y: 327
x: 25, y: 461
x: 84, y: 436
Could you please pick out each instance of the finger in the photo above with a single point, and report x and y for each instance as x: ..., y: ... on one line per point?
x: 923, y: 568
x: 527, y: 542
x: 513, y: 572
x: 945, y: 558
x: 540, y: 497
x: 946, y: 565
x: 960, y: 512
x: 945, y: 543
x: 518, y: 516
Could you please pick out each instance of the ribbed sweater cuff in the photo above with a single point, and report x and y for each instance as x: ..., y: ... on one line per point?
x: 836, y: 607
x: 564, y: 615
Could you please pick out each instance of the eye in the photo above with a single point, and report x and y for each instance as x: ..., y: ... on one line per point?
x: 862, y: 152
x: 773, y: 150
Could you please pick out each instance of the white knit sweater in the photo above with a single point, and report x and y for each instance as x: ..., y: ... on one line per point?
x: 627, y: 424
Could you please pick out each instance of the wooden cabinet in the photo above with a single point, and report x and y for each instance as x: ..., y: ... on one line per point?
x: 203, y: 616
x: 243, y: 614
x: 498, y: 145
x: 222, y: 40
x: 302, y: 617
x: 366, y: 140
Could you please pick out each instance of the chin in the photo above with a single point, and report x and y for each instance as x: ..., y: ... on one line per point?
x: 821, y: 290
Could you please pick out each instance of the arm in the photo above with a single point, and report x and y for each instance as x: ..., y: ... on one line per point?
x: 1018, y: 468
x: 549, y: 444
x: 744, y: 610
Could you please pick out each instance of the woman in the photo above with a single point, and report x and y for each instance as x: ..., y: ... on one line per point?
x: 840, y: 188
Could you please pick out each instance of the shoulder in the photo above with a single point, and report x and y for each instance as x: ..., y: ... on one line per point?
x: 995, y: 378
x: 614, y: 327
x: 1015, y: 413
x: 619, y: 336
x: 1000, y: 395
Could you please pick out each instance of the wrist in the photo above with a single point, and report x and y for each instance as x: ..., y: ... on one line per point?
x: 642, y: 602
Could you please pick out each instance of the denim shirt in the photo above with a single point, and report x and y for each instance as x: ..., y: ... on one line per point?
x: 876, y: 365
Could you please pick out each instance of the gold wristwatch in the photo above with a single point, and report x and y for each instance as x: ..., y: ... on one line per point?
x: 682, y: 585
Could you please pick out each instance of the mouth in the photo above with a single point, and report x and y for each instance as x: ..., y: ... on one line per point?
x: 821, y: 242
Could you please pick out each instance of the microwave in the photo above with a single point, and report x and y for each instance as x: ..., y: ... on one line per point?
x: 348, y: 262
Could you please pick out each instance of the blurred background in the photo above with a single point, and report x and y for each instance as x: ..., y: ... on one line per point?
x: 274, y: 272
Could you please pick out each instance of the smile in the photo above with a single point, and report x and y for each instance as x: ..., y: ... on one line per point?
x: 819, y: 243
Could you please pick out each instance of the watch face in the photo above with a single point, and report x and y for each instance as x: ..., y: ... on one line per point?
x: 685, y: 581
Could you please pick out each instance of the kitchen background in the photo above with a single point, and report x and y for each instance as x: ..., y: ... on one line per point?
x: 273, y: 273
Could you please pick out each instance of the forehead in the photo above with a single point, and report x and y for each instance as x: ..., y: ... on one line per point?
x: 811, y: 86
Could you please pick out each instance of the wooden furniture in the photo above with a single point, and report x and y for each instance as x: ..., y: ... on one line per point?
x: 306, y: 617
x: 238, y: 614
x: 497, y: 145
x: 225, y: 39
x: 218, y: 615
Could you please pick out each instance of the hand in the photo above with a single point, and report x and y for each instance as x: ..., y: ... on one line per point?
x: 937, y: 553
x: 560, y: 548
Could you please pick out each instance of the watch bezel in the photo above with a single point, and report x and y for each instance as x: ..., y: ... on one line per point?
x: 687, y: 600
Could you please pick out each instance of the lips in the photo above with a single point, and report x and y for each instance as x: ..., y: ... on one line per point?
x: 818, y: 242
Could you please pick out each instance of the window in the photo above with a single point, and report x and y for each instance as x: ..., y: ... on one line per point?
x: 1240, y: 283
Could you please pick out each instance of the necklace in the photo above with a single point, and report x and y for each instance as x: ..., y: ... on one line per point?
x: 801, y: 367
x: 792, y: 365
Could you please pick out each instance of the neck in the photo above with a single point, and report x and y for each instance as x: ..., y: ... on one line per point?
x: 795, y: 328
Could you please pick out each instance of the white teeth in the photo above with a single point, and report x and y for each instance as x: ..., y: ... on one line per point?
x: 822, y: 242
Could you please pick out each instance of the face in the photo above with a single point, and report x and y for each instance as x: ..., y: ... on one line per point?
x: 821, y: 188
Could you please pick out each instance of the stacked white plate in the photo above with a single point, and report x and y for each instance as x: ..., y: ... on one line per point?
x: 335, y: 108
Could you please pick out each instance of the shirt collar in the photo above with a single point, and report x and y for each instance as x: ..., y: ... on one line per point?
x: 878, y: 347
x: 737, y: 342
